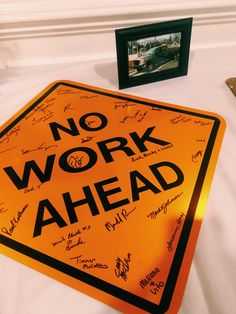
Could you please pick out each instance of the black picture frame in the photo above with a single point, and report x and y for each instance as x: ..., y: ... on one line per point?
x: 153, y: 52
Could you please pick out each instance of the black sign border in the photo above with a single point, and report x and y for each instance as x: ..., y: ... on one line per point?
x: 183, y: 240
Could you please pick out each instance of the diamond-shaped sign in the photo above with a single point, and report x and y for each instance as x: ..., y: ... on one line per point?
x: 105, y: 192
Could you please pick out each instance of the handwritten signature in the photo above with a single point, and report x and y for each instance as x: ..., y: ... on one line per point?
x: 197, y: 156
x: 89, y: 263
x: 14, y: 222
x: 68, y: 107
x: 150, y: 153
x: 183, y: 119
x: 71, y: 245
x: 149, y: 277
x: 14, y: 131
x: 119, y: 218
x: 86, y: 97
x: 67, y: 91
x: 202, y: 123
x: 180, y: 119
x: 42, y: 108
x: 123, y: 267
x: 202, y: 140
x: 163, y: 207
x: 150, y: 281
x: 48, y: 115
x: 90, y: 122
x: 122, y: 104
x: 144, y: 155
x: 42, y: 146
x: 138, y: 116
x: 156, y: 287
x: 174, y: 233
x: 86, y: 139
x: 2, y: 208
x: 70, y: 235
x: 32, y: 188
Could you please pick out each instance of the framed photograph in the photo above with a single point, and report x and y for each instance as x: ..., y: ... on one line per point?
x: 153, y: 52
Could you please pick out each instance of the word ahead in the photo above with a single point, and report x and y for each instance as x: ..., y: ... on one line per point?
x: 104, y: 193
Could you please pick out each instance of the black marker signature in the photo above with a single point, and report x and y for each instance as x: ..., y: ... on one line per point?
x: 201, y: 140
x: 41, y: 109
x: 32, y: 188
x: 197, y: 156
x: 14, y: 131
x: 90, y: 122
x: 48, y: 115
x: 183, y: 119
x: 78, y: 231
x: 156, y: 287
x: 138, y: 116
x: 119, y: 218
x: 163, y: 207
x: 180, y: 119
x: 67, y: 91
x: 144, y: 155
x: 2, y: 208
x: 71, y: 245
x: 59, y: 241
x: 70, y: 235
x: 123, y: 267
x: 122, y: 104
x: 149, y: 277
x: 14, y: 221
x: 42, y: 146
x: 86, y: 139
x: 86, y: 97
x: 68, y: 107
x: 202, y: 123
x: 151, y: 282
x: 88, y: 263
x: 174, y: 233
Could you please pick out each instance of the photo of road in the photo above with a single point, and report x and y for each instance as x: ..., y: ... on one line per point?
x: 165, y: 66
x: 153, y: 54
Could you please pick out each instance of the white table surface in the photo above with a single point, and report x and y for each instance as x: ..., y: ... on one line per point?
x: 211, y: 286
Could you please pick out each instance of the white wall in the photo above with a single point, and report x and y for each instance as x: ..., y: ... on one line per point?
x: 56, y: 31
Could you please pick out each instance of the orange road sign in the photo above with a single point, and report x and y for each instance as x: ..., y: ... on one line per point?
x: 106, y: 192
